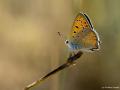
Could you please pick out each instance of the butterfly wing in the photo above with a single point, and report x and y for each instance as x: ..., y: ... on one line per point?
x: 83, y: 34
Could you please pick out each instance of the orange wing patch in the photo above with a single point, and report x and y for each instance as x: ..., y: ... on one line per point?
x: 79, y: 24
x: 90, y: 40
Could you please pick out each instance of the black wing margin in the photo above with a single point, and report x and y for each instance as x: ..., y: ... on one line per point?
x: 88, y: 20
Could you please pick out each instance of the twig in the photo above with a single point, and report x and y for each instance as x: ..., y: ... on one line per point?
x: 70, y: 61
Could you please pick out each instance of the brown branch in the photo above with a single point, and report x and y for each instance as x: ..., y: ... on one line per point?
x: 70, y: 61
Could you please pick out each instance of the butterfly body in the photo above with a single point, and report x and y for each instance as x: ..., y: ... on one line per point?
x: 83, y: 37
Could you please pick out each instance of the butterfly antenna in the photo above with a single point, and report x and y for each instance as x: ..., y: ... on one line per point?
x: 61, y: 36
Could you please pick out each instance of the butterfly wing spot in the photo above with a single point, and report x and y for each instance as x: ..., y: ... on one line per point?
x: 99, y: 42
x: 80, y: 21
x: 76, y: 26
x: 82, y: 25
x: 86, y: 26
x: 74, y: 31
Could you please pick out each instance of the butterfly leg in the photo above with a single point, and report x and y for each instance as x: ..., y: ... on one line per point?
x: 92, y: 49
x: 71, y: 54
x: 74, y: 57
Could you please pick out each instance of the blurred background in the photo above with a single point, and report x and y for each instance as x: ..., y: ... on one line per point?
x: 30, y: 46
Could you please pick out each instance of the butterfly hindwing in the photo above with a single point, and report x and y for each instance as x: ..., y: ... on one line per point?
x: 91, y: 41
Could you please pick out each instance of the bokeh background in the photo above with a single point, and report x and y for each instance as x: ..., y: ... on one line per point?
x: 30, y: 46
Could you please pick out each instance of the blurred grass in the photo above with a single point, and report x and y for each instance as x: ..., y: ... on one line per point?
x: 30, y: 46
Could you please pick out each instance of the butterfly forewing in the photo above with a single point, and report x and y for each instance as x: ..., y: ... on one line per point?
x: 80, y: 23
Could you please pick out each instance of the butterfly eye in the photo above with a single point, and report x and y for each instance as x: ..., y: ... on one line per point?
x: 66, y: 41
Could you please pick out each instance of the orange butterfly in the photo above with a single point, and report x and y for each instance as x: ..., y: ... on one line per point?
x: 83, y: 37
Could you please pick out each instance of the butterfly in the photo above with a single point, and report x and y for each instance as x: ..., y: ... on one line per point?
x: 83, y: 36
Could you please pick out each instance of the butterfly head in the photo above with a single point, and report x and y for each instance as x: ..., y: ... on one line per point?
x: 66, y: 42
x: 73, y: 46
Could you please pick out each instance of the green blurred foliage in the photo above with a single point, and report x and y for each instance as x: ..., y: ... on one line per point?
x: 30, y: 46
